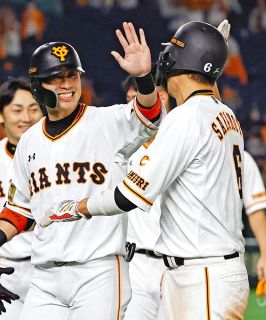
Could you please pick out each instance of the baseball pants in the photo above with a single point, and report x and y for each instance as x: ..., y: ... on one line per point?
x: 145, y: 276
x: 205, y: 289
x: 96, y: 290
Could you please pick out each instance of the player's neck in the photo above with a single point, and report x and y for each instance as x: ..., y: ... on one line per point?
x: 59, y: 113
x: 203, y: 92
x: 188, y: 88
x: 12, y: 140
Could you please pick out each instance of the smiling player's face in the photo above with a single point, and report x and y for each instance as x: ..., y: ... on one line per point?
x: 67, y: 85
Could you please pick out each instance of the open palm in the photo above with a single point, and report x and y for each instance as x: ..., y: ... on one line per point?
x: 137, y: 58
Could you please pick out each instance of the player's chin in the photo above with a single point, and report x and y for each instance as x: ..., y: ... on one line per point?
x: 71, y: 103
x: 21, y: 130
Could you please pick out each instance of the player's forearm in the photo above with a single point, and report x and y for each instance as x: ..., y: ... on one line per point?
x: 147, y: 101
x: 7, y: 231
x: 257, y: 221
x: 107, y: 203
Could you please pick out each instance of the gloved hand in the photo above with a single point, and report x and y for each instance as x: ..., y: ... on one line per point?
x: 261, y: 292
x: 6, y: 295
x: 63, y: 212
x: 224, y: 27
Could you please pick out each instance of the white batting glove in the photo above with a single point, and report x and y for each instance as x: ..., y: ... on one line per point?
x: 224, y: 27
x: 63, y: 212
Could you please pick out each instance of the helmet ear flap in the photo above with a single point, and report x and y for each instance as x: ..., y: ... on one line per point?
x: 43, y: 96
x: 166, y: 62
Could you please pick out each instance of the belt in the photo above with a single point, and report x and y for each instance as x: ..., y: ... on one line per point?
x: 175, y: 262
x: 148, y: 253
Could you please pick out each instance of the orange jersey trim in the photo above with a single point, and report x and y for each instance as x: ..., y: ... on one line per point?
x: 17, y: 220
x: 259, y: 195
x: 208, y: 309
x: 119, y: 289
x: 78, y: 116
x: 153, y: 112
x: 137, y: 194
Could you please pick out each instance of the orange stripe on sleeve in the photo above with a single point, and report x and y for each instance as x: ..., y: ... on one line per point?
x: 17, y: 220
x: 148, y: 202
x: 153, y: 112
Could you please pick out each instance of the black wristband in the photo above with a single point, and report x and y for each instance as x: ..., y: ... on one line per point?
x: 145, y: 84
x: 3, y: 238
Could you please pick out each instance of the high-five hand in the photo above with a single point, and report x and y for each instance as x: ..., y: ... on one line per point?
x: 137, y: 59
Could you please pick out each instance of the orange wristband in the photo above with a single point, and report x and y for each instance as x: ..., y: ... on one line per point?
x: 153, y: 112
x: 17, y: 220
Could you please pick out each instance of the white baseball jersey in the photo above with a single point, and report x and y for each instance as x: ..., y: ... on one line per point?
x: 199, y: 176
x: 143, y: 228
x: 254, y: 194
x: 89, y: 156
x: 20, y: 246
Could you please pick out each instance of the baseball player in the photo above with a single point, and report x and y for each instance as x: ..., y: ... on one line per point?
x: 146, y: 268
x: 78, y: 150
x: 254, y: 197
x: 18, y: 112
x: 196, y: 164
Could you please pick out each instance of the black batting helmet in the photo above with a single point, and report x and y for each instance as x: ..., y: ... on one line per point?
x: 47, y: 61
x: 197, y: 47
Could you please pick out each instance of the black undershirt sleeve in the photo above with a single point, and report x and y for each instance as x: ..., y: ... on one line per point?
x: 30, y: 222
x: 122, y: 202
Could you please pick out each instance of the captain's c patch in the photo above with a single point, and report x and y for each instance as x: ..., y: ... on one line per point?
x: 144, y: 160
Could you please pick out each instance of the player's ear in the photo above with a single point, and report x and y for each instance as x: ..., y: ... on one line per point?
x: 164, y: 97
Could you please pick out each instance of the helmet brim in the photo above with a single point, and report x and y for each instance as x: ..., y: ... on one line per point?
x: 54, y: 71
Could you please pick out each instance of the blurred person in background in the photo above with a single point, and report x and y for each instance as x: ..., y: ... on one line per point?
x: 18, y: 112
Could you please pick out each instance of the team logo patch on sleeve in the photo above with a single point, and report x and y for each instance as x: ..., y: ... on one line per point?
x: 60, y: 52
x: 11, y: 192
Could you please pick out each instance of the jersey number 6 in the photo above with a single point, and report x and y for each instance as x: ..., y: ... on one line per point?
x: 237, y: 161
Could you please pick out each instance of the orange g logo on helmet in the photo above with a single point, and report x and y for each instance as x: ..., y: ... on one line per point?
x: 60, y: 52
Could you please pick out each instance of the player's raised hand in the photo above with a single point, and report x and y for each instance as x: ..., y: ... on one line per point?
x: 6, y: 295
x: 137, y: 56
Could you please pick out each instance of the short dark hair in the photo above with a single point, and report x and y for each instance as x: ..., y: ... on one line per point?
x: 128, y: 83
x: 201, y: 78
x: 9, y: 88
